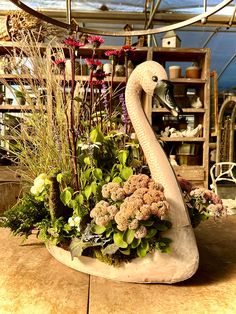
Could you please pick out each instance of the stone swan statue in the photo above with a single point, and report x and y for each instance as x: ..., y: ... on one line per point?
x: 182, y: 262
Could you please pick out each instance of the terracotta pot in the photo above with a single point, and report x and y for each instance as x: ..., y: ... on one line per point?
x: 193, y: 72
x: 174, y: 72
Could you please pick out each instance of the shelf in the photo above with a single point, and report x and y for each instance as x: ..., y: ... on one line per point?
x: 191, y: 173
x: 197, y: 174
x: 183, y: 54
x: 86, y: 78
x: 15, y: 77
x: 182, y: 139
x: 183, y: 167
x: 188, y: 81
x: 14, y: 108
x: 185, y: 110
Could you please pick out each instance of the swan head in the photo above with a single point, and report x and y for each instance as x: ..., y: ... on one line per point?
x: 154, y: 82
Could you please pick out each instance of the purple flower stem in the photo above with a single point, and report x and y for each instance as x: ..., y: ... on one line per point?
x: 72, y: 119
x: 91, y: 99
x: 99, y: 106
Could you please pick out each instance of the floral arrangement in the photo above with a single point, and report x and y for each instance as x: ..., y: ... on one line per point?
x: 87, y: 183
x: 201, y: 203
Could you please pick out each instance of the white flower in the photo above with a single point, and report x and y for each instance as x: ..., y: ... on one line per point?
x: 39, y: 184
x: 75, y: 222
x: 71, y: 222
x: 87, y: 146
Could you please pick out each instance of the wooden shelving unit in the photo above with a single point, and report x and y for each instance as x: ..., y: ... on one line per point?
x: 198, y: 173
x: 197, y: 167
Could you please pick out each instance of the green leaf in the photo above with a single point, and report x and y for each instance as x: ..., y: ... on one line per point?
x: 166, y: 250
x: 151, y: 233
x: 129, y: 236
x: 87, y: 173
x: 59, y: 177
x: 98, y: 173
x: 96, y: 135
x: 77, y: 247
x: 63, y: 176
x: 166, y: 240
x: 94, y: 187
x: 147, y: 223
x: 87, y: 161
x: 107, y: 179
x: 122, y: 156
x: 80, y: 199
x: 161, y: 226
x: 164, y: 245
x: 110, y: 249
x: 143, y: 248
x: 135, y: 243
x: 125, y: 252
x: 126, y: 172
x: 98, y: 229
x: 88, y: 191
x: 73, y: 204
x: 108, y: 232
x: 118, y: 240
x: 66, y: 196
x: 117, y: 180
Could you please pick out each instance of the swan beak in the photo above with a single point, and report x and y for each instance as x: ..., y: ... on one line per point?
x: 165, y: 94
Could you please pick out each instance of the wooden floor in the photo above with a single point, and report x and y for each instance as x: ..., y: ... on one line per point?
x: 31, y: 281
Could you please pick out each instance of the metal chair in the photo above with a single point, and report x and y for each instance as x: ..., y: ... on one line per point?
x: 222, y: 171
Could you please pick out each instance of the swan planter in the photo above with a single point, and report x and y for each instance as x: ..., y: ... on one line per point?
x: 182, y: 262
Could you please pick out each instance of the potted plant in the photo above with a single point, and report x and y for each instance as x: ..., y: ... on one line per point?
x: 90, y: 195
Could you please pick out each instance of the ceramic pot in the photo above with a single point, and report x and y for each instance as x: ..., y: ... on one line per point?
x: 178, y: 265
x: 107, y: 68
x: 174, y: 72
x: 119, y: 70
x: 193, y: 72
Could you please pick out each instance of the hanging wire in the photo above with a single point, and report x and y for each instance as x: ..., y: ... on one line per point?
x: 232, y: 18
x: 226, y: 65
x: 210, y: 37
x: 153, y: 13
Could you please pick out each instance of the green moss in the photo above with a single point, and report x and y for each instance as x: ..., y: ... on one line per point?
x: 115, y: 260
x: 56, y: 207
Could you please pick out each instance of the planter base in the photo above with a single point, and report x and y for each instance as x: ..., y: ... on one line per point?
x: 172, y: 267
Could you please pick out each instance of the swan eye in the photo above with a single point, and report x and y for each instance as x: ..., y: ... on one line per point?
x: 155, y: 78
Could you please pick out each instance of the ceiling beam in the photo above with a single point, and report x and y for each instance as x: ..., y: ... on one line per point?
x: 134, y: 18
